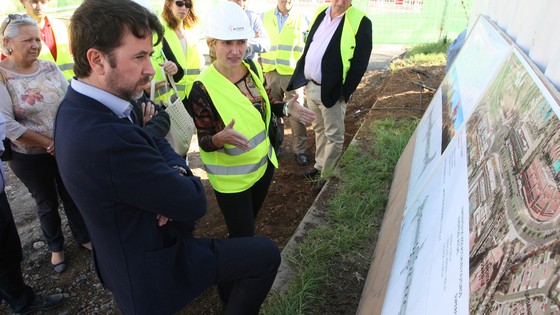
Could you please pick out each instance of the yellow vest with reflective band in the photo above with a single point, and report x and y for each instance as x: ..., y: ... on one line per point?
x: 352, y: 19
x: 230, y: 169
x: 64, y: 59
x: 287, y: 45
x: 191, y: 63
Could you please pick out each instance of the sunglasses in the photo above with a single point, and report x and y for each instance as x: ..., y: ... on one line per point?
x: 187, y: 4
x: 11, y: 17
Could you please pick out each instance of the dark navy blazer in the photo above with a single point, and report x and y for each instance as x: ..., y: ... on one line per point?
x: 120, y: 178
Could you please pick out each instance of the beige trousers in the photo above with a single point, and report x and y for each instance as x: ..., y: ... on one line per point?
x: 328, y: 127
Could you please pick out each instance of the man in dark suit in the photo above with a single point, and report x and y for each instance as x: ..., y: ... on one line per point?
x: 335, y: 58
x: 138, y: 198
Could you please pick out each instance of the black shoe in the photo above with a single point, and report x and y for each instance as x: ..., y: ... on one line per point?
x: 311, y: 174
x: 43, y: 303
x: 301, y: 159
x: 60, y: 267
x: 318, y: 185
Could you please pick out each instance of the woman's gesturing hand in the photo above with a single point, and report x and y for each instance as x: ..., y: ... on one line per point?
x: 232, y: 137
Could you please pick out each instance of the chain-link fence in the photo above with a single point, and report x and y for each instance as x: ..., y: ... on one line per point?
x: 394, y: 21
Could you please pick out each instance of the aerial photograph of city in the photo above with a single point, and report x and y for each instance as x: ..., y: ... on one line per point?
x: 513, y: 141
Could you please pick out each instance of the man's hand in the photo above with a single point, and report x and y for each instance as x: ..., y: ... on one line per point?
x: 148, y: 111
x: 303, y: 114
x: 161, y: 220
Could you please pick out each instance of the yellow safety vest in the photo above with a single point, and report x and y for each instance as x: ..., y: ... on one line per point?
x: 230, y: 169
x: 64, y: 59
x: 191, y: 63
x: 352, y: 19
x: 286, y: 46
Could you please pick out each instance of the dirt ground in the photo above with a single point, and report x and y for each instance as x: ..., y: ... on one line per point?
x: 402, y: 94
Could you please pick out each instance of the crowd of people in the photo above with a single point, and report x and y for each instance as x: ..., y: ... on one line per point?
x: 129, y: 197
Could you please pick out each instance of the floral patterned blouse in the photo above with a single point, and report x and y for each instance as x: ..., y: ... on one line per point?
x: 30, y: 101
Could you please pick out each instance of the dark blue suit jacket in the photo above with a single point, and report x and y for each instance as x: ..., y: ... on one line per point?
x: 121, y: 178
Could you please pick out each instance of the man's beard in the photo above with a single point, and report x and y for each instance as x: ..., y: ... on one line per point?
x: 126, y: 93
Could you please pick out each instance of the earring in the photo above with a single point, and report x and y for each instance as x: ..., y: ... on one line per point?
x: 11, y: 50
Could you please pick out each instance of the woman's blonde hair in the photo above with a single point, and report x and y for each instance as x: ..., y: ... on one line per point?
x: 211, y: 42
x: 188, y: 23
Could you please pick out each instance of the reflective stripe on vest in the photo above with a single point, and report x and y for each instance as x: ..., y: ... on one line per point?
x: 287, y: 45
x: 235, y: 170
x: 238, y: 170
x: 193, y: 72
x: 64, y: 59
x: 253, y: 142
x: 352, y: 19
x: 230, y: 169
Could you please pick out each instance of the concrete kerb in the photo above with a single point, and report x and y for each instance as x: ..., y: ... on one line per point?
x: 381, y: 58
x: 383, y: 55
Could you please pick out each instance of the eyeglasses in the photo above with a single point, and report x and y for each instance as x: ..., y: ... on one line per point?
x: 11, y: 17
x: 187, y: 4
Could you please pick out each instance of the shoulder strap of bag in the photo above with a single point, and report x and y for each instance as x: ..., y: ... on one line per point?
x: 253, y: 67
x: 169, y: 79
x: 169, y: 55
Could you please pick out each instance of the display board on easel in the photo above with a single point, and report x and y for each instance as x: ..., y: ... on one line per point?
x: 481, y: 219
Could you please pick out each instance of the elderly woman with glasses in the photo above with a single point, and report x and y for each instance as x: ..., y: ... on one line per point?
x: 180, y: 45
x: 31, y: 90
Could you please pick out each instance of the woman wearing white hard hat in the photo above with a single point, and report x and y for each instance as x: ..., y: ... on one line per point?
x: 232, y: 113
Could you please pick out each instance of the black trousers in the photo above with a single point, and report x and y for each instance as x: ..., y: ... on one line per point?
x: 12, y: 289
x: 241, y: 209
x: 247, y: 267
x: 39, y: 173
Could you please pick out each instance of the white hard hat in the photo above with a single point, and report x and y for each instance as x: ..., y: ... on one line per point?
x: 227, y: 21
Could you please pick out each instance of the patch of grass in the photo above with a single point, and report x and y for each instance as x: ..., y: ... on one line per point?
x: 429, y: 49
x: 424, y: 55
x: 358, y: 203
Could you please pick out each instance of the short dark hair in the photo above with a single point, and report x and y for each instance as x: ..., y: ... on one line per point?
x: 101, y: 24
